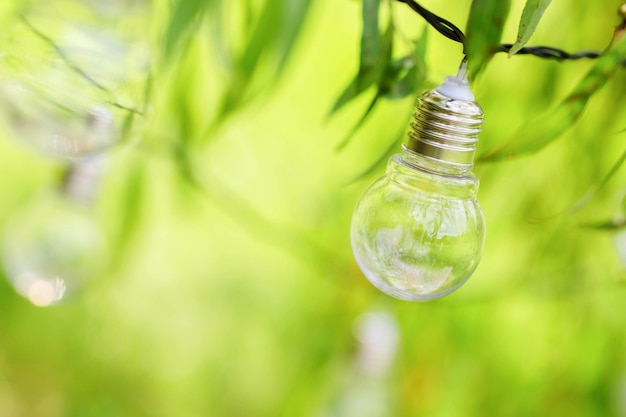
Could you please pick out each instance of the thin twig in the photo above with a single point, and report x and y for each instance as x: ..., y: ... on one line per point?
x: 74, y: 67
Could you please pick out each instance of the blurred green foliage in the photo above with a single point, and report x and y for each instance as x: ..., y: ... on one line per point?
x: 233, y: 291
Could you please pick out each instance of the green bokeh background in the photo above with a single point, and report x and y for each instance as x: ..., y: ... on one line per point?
x: 234, y: 292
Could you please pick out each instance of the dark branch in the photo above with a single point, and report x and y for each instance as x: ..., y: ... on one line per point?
x: 443, y: 26
x: 78, y: 70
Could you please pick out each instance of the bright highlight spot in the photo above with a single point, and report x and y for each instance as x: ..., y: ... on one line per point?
x: 41, y: 292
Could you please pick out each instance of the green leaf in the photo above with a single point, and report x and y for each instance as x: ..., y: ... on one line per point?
x: 358, y: 124
x: 375, y: 55
x: 370, y: 39
x: 592, y: 191
x: 293, y: 17
x: 129, y: 214
x: 484, y: 30
x: 407, y: 73
x: 184, y: 16
x: 274, y: 34
x: 382, y: 160
x: 536, y: 135
x: 353, y: 89
x: 401, y: 79
x: 607, y: 225
x: 533, y: 11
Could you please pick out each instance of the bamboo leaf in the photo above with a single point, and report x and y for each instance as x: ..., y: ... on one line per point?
x: 129, y: 214
x: 399, y: 85
x: 607, y: 225
x: 591, y: 192
x: 401, y: 79
x: 533, y: 11
x: 358, y: 124
x: 260, y: 40
x: 375, y: 55
x: 382, y: 160
x: 615, y: 224
x: 262, y: 37
x: 293, y: 17
x: 371, y: 39
x: 185, y: 14
x: 484, y: 30
x: 353, y: 89
x: 274, y: 33
x: 535, y: 136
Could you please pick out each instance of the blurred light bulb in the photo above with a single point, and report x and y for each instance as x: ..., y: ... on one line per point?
x: 70, y: 75
x: 377, y: 334
x: 54, y: 246
x: 364, y: 388
x: 418, y: 232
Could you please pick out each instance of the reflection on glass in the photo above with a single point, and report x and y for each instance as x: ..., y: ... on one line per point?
x: 55, y: 245
x: 418, y: 234
x: 364, y: 391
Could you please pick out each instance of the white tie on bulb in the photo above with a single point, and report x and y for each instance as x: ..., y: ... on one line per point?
x: 418, y: 232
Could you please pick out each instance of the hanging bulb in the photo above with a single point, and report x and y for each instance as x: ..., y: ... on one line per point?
x: 54, y: 246
x: 418, y: 232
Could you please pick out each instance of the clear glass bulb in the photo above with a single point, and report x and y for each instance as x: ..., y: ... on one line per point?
x: 418, y: 232
x: 54, y: 246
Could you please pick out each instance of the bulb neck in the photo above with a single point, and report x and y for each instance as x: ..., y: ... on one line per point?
x: 446, y: 124
x: 81, y: 180
x: 426, y: 176
x: 434, y: 166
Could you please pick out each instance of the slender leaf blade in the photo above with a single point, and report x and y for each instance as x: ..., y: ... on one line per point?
x: 402, y: 82
x: 533, y: 11
x: 592, y: 191
x: 484, y: 30
x: 535, y: 136
x: 129, y: 218
x: 606, y: 225
x: 369, y: 75
x: 293, y: 19
x: 370, y: 40
x: 382, y: 160
x: 410, y: 73
x: 185, y: 14
x: 274, y: 35
x: 358, y: 124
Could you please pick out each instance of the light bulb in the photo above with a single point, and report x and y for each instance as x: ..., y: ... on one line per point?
x: 70, y: 77
x: 418, y: 232
x: 55, y: 245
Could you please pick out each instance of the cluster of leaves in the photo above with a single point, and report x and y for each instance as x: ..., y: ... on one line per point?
x: 392, y: 77
x: 395, y: 78
x: 399, y: 77
x: 484, y: 29
x: 253, y: 42
x: 270, y: 31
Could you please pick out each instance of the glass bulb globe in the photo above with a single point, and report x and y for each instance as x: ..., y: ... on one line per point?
x: 418, y: 232
x: 53, y: 247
